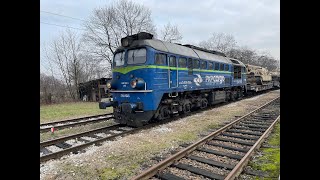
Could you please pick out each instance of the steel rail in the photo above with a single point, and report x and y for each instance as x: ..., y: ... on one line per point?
x: 65, y: 138
x: 98, y: 141
x: 174, y: 158
x: 63, y: 126
x: 82, y: 146
x: 238, y: 168
x: 75, y: 119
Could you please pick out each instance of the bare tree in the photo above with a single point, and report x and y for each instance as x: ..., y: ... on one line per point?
x: 219, y: 41
x: 51, y: 89
x: 64, y: 53
x: 268, y: 62
x: 244, y: 54
x: 171, y: 33
x: 109, y: 24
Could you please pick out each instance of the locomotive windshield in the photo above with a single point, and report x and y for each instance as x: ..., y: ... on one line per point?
x: 137, y: 56
x: 119, y: 59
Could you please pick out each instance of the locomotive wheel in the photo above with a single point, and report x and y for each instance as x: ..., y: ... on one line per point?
x: 164, y: 112
x: 187, y: 108
x: 204, y: 103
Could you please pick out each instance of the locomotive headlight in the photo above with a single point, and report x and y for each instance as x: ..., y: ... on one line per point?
x: 138, y: 83
x: 109, y: 84
x: 133, y: 83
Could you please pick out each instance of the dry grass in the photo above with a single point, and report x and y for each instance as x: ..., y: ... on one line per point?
x: 70, y: 110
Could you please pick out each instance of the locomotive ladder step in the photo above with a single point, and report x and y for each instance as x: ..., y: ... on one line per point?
x: 234, y: 141
x: 219, y: 153
x: 199, y: 171
x: 229, y: 147
x: 240, y: 136
x: 63, y: 145
x: 247, y: 128
x: 45, y: 151
x: 244, y: 132
x: 169, y: 176
x: 211, y: 162
x: 253, y: 125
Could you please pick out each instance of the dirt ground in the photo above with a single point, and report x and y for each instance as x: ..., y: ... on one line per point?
x: 129, y: 155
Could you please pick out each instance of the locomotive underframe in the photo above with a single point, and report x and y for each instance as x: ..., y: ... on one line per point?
x: 178, y: 103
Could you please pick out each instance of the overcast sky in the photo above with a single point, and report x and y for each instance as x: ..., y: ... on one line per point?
x: 254, y: 23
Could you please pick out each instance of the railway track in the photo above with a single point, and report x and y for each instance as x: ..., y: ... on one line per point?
x: 58, y: 125
x: 56, y: 148
x: 222, y: 154
x: 59, y: 147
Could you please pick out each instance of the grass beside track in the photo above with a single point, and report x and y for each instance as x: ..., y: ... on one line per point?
x: 269, y: 159
x: 63, y: 111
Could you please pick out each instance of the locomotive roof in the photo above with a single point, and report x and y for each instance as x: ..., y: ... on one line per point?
x: 236, y: 61
x: 179, y: 49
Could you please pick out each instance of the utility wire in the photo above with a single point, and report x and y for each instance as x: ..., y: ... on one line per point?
x: 62, y: 26
x: 63, y: 16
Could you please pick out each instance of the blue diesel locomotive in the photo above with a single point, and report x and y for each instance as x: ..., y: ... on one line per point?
x: 153, y: 80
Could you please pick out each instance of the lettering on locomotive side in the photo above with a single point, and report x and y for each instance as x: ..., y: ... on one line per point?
x: 237, y: 81
x: 124, y: 84
x: 124, y: 95
x: 185, y: 82
x: 215, y: 79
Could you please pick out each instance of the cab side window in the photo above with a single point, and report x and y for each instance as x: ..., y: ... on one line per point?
x: 172, y: 61
x: 190, y: 66
x: 210, y: 66
x: 203, y: 64
x: 216, y: 66
x: 182, y: 62
x: 160, y: 59
x: 226, y: 67
x: 196, y: 64
x: 221, y: 67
